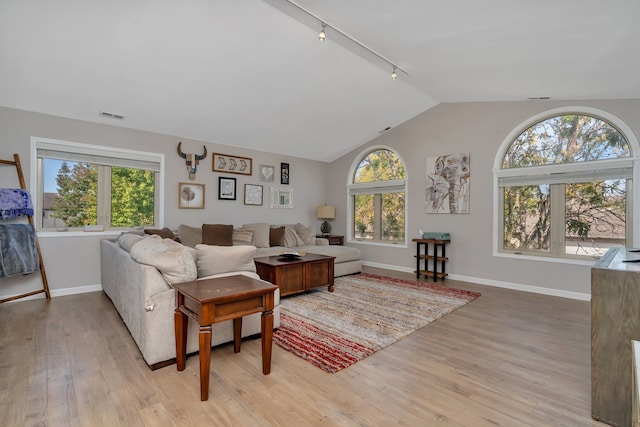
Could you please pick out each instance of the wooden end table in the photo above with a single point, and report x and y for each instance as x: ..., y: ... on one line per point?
x: 217, y: 300
x: 297, y: 275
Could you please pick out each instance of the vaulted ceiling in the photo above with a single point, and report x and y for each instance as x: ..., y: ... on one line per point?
x: 252, y: 73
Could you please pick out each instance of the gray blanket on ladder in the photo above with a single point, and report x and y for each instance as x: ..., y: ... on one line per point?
x: 18, y: 254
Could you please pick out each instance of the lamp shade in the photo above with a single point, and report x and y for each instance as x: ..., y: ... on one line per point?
x: 326, y: 212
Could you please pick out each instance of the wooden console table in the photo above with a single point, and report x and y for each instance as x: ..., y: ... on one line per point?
x: 434, y: 257
x: 615, y: 323
x: 216, y: 300
x: 298, y: 275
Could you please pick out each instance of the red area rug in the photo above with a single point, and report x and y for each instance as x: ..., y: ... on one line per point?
x: 365, y: 313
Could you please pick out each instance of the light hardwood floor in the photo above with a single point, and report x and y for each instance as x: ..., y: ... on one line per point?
x: 506, y: 359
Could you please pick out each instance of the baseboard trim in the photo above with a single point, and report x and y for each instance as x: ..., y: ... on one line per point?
x: 495, y: 283
x: 59, y: 292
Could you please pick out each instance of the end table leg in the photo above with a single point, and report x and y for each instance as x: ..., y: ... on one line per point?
x: 237, y: 334
x: 205, y: 360
x: 180, y: 324
x: 267, y: 336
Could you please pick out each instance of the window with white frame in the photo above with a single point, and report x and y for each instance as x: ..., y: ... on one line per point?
x: 564, y: 189
x: 80, y: 185
x: 377, y: 198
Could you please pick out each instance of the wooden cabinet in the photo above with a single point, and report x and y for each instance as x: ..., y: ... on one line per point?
x: 426, y: 258
x: 299, y: 275
x: 615, y: 322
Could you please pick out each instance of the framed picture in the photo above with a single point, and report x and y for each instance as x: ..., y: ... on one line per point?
x: 284, y: 173
x: 232, y: 164
x: 281, y: 198
x: 190, y: 195
x: 266, y: 173
x: 447, y: 184
x: 226, y: 188
x: 253, y: 194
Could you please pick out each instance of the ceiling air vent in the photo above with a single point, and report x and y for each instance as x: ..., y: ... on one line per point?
x: 539, y: 98
x: 112, y: 115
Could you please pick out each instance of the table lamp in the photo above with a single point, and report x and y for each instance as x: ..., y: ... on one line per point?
x: 325, y: 212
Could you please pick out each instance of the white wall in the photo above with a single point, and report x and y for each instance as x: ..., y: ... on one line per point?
x: 478, y: 128
x: 73, y: 263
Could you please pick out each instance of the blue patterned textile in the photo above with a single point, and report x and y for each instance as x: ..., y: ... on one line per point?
x: 15, y: 202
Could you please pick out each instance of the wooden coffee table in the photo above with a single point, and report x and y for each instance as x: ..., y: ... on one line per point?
x: 216, y: 300
x: 297, y: 275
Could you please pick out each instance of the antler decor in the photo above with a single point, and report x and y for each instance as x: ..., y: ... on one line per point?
x: 192, y: 160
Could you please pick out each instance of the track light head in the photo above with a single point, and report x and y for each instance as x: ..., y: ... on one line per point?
x: 322, y: 34
x: 394, y: 75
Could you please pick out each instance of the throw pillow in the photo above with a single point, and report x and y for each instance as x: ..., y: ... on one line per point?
x: 275, y: 236
x: 291, y: 239
x: 165, y: 233
x: 216, y: 259
x: 190, y: 236
x: 127, y: 240
x: 307, y: 234
x: 172, y: 259
x: 217, y: 234
x: 260, y: 237
x: 242, y: 237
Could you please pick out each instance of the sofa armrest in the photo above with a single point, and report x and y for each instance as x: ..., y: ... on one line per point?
x: 321, y: 241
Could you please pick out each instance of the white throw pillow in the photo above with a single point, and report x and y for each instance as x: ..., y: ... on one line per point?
x: 127, y: 240
x: 171, y: 258
x: 224, y: 259
x: 307, y: 234
x: 291, y: 239
x: 260, y: 237
x: 242, y: 237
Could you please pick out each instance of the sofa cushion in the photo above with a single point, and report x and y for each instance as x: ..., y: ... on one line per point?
x: 242, y: 237
x: 307, y: 234
x: 260, y: 237
x: 222, y: 259
x: 342, y: 253
x: 165, y: 233
x: 275, y: 236
x: 291, y: 238
x: 127, y: 240
x: 217, y: 234
x: 190, y: 236
x: 171, y: 258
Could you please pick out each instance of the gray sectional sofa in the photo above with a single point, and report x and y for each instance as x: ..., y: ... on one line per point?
x: 138, y: 270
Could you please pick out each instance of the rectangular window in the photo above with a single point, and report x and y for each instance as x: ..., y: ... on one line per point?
x: 572, y: 220
x: 80, y: 185
x: 379, y: 217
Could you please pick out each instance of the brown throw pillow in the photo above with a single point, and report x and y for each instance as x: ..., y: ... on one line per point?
x: 165, y: 233
x: 275, y: 236
x: 217, y: 234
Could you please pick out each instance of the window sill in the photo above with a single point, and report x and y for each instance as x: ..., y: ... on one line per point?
x: 373, y: 243
x: 47, y: 234
x: 545, y: 259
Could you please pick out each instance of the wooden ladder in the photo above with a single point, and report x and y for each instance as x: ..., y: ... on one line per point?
x: 45, y: 284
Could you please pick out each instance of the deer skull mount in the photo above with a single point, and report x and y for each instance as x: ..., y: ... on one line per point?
x: 192, y: 160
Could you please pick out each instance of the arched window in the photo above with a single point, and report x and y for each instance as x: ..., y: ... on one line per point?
x: 377, y: 198
x: 563, y: 189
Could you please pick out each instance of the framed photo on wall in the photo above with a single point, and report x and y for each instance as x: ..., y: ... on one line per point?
x: 232, y: 164
x: 253, y: 194
x: 190, y: 195
x: 226, y: 188
x: 266, y: 173
x: 284, y: 173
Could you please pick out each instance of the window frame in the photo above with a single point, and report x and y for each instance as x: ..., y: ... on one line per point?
x: 390, y: 186
x: 630, y: 164
x: 39, y: 143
